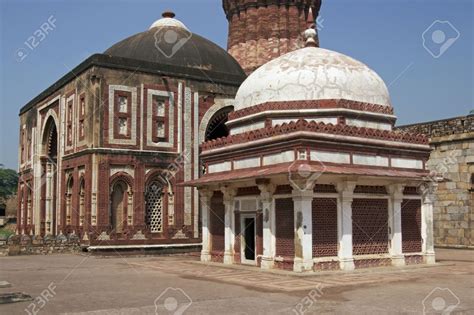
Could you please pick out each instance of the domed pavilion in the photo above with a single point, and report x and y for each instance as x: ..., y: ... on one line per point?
x: 312, y: 175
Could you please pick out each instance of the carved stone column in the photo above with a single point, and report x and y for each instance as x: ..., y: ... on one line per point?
x: 229, y: 230
x: 130, y: 208
x: 427, y: 225
x: 346, y: 196
x: 81, y: 208
x: 266, y: 196
x: 205, y: 197
x: 395, y: 224
x: 68, y: 208
x: 303, y: 212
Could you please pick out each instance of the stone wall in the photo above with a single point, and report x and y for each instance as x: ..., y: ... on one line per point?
x: 452, y: 162
x: 443, y: 128
x: 37, y: 245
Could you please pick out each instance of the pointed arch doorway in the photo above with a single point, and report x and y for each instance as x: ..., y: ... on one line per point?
x: 49, y: 178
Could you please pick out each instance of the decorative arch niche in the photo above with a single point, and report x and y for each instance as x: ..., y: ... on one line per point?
x: 69, y: 192
x: 49, y: 180
x: 118, y: 206
x: 50, y: 138
x: 121, y: 202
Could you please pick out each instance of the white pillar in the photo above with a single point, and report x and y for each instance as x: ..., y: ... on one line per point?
x: 427, y: 225
x: 229, y: 194
x: 395, y: 224
x: 346, y: 192
x: 205, y: 197
x: 303, y: 207
x: 266, y: 196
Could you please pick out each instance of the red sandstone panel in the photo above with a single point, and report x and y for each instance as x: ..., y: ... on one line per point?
x: 325, y: 189
x: 411, y: 226
x: 370, y: 226
x: 237, y: 241
x: 380, y: 190
x: 248, y: 191
x: 217, y: 219
x: 324, y: 227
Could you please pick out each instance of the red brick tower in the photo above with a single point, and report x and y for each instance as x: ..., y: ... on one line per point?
x: 260, y: 30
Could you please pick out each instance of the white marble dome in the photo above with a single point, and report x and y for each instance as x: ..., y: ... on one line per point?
x: 312, y: 74
x: 168, y: 20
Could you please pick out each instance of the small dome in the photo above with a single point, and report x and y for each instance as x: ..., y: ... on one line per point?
x: 312, y: 74
x: 168, y: 20
x: 169, y: 42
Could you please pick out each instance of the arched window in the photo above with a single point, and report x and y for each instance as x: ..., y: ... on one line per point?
x: 118, y: 202
x: 154, y: 207
x: 69, y: 191
x: 52, y: 141
x: 217, y: 125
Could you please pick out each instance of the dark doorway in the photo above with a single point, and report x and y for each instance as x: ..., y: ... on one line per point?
x: 249, y: 238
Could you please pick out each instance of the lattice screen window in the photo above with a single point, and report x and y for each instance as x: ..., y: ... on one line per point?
x: 154, y: 207
x: 324, y: 227
x: 370, y: 226
x: 411, y: 226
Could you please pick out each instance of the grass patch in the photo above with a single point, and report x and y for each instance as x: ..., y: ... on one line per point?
x: 7, y: 230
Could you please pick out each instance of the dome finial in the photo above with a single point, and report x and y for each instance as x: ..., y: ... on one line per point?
x: 310, y: 34
x: 168, y: 14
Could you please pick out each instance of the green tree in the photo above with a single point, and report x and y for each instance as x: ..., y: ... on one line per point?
x: 8, y: 182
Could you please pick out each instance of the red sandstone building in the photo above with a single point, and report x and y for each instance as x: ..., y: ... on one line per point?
x: 297, y: 166
x: 103, y: 149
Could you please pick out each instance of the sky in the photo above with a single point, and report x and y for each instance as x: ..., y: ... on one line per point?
x: 428, y: 80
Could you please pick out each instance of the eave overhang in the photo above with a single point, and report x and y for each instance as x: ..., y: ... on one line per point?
x: 287, y: 169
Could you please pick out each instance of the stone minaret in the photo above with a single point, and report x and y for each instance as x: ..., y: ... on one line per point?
x: 262, y: 30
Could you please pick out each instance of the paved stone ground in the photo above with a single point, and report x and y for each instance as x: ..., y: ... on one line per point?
x: 141, y: 285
